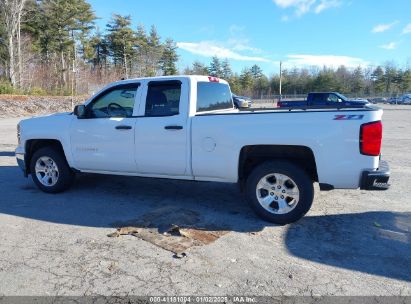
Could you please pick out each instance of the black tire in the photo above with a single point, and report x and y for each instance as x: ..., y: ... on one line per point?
x: 298, y: 176
x: 65, y: 174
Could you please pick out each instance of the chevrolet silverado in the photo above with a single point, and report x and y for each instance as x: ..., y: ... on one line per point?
x: 186, y: 127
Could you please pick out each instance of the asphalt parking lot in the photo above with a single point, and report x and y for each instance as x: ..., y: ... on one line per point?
x: 350, y: 243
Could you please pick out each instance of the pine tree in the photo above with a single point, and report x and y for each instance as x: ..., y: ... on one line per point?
x: 169, y: 58
x: 215, y: 68
x: 155, y: 51
x: 226, y: 71
x: 57, y: 26
x: 405, y: 83
x: 357, y: 82
x: 261, y: 86
x: 256, y: 71
x: 378, y: 79
x: 235, y: 84
x: 325, y: 81
x: 343, y: 77
x: 246, y: 81
x: 141, y: 56
x: 97, y: 51
x: 121, y: 40
x: 389, y: 77
x: 199, y: 68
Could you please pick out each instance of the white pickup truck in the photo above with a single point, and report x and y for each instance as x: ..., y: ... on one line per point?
x: 187, y: 128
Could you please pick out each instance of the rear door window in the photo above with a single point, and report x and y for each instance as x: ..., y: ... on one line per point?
x: 163, y: 98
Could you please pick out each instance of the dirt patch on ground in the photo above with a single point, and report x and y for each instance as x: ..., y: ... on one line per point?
x: 173, y: 229
x: 25, y: 105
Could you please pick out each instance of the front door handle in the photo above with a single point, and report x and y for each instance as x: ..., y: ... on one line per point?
x: 173, y: 127
x: 124, y: 127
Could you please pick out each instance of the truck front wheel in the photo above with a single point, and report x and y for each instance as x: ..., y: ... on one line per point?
x: 279, y: 192
x: 50, y: 171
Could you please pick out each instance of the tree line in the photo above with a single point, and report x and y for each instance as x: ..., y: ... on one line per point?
x: 54, y: 47
x: 384, y: 80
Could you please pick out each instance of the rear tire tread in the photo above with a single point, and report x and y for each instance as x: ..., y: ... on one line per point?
x: 299, y: 176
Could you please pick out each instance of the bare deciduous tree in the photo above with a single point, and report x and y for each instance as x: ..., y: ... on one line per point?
x: 11, y: 11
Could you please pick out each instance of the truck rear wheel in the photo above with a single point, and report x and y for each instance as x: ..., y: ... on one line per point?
x: 279, y: 192
x: 50, y: 171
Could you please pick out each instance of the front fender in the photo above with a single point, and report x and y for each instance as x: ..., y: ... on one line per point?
x: 52, y: 127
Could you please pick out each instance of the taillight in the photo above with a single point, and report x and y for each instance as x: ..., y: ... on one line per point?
x: 370, y: 138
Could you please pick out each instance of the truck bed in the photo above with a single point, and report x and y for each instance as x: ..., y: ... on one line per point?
x: 331, y: 134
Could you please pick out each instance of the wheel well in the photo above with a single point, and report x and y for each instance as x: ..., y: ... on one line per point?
x: 33, y: 145
x: 251, y: 156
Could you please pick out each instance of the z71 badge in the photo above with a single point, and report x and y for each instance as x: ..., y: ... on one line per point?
x: 348, y: 117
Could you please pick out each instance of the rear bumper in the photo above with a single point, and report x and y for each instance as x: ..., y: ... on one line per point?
x: 376, y: 179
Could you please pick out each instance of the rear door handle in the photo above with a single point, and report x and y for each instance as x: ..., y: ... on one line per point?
x: 124, y: 127
x: 173, y: 127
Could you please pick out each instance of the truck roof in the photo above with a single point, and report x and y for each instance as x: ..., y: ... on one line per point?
x: 197, y: 78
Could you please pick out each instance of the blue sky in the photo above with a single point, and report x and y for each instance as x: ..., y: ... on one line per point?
x: 298, y: 32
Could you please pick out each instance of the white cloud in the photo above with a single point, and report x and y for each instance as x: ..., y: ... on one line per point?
x: 238, y: 41
x: 211, y: 48
x: 389, y: 46
x: 295, y: 60
x: 383, y: 27
x: 242, y: 44
x: 302, y: 7
x: 407, y: 29
x: 326, y: 5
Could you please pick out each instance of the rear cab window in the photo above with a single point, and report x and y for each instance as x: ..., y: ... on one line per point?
x: 213, y: 96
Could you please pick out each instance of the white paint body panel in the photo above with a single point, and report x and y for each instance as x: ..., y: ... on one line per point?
x: 209, y: 145
x: 161, y: 151
x: 97, y: 145
x: 335, y: 144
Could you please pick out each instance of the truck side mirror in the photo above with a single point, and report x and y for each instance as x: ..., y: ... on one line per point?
x: 80, y: 111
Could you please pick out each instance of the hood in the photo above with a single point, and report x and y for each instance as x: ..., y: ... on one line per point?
x: 45, y: 120
x: 52, y: 114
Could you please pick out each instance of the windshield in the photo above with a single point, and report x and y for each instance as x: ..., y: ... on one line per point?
x: 341, y: 96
